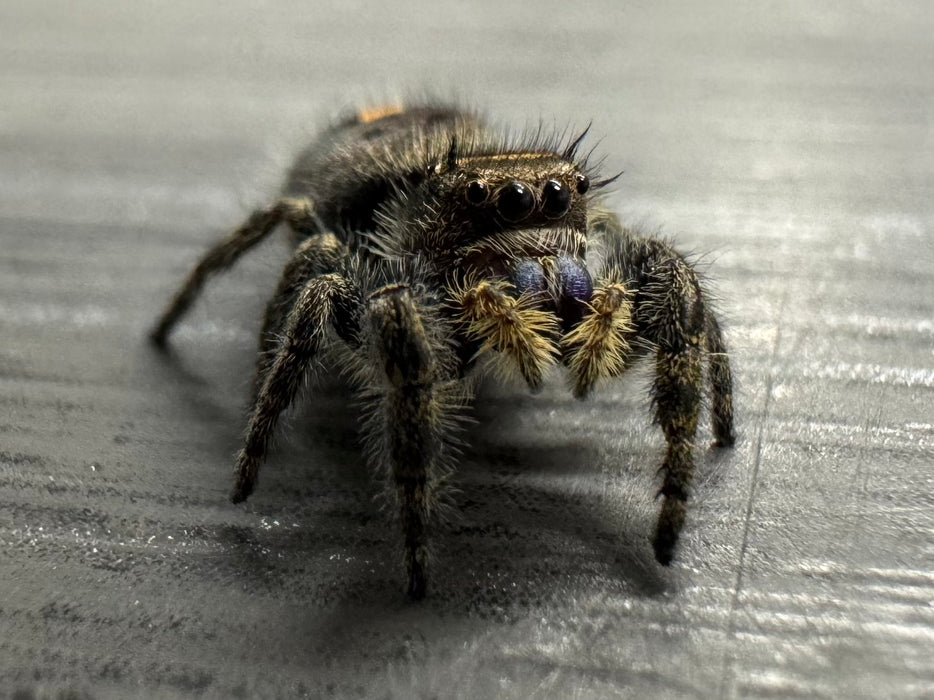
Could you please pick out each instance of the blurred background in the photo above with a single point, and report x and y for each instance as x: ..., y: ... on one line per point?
x: 787, y: 145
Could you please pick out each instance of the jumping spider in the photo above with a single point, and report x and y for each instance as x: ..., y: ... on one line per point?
x: 426, y: 241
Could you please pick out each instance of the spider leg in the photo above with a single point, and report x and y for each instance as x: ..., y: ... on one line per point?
x: 672, y: 314
x: 413, y: 415
x: 325, y: 301
x: 631, y: 257
x: 224, y: 254
x: 721, y: 382
x: 671, y: 318
x: 320, y: 254
x: 511, y: 326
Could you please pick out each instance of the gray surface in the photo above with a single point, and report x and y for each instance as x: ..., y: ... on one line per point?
x: 791, y: 145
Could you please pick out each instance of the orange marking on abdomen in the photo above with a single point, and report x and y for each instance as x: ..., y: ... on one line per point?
x: 373, y: 113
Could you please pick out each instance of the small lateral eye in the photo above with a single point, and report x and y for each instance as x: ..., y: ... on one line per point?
x: 477, y: 192
x: 556, y: 199
x: 515, y: 201
x: 583, y: 184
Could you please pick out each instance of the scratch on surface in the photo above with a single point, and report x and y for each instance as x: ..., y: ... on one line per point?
x: 726, y: 688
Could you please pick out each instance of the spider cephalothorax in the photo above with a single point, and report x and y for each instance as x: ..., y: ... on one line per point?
x: 426, y: 241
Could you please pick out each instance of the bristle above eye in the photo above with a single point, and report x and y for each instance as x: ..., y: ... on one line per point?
x: 452, y: 154
x: 608, y: 181
x: 571, y: 150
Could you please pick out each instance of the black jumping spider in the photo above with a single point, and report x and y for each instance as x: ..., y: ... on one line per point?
x: 426, y: 241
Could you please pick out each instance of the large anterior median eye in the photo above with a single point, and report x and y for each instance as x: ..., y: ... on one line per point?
x: 515, y: 201
x: 556, y: 199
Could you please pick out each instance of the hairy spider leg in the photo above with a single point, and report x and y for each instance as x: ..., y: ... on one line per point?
x: 671, y: 318
x: 225, y: 253
x: 500, y: 322
x: 721, y: 383
x: 320, y: 254
x: 630, y: 257
x: 672, y: 312
x: 413, y: 414
x: 326, y: 301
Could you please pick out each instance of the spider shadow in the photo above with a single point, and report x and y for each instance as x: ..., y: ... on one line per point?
x: 556, y: 514
x: 193, y: 393
x: 532, y: 524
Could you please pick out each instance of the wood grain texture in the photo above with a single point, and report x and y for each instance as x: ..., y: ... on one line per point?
x: 789, y: 147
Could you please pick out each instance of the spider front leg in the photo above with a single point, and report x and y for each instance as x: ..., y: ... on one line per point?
x: 222, y: 255
x: 513, y: 326
x: 326, y: 301
x: 413, y: 413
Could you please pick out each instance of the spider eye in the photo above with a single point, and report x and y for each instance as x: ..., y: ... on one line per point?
x: 477, y: 192
x: 556, y: 199
x: 583, y: 184
x: 515, y: 202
